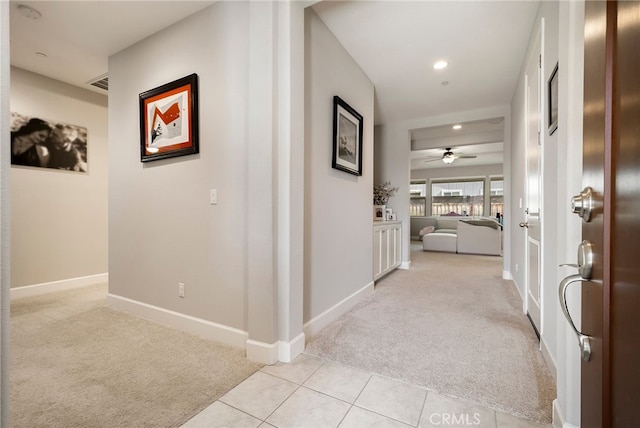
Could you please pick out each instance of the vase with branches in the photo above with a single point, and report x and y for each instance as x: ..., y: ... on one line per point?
x: 381, y: 194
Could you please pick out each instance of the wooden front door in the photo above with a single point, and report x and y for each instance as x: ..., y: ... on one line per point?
x: 611, y: 166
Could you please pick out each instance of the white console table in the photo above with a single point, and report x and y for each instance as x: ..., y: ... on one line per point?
x: 387, y: 248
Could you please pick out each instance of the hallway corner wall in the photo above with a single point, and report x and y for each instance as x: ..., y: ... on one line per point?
x: 163, y: 230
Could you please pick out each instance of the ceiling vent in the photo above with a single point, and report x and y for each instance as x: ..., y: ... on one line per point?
x: 101, y: 82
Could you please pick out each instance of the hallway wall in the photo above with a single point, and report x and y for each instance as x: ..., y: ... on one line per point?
x: 163, y: 230
x: 338, y: 205
x: 59, y: 218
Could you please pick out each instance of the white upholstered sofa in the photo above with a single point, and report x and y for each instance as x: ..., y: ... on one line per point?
x: 479, y: 235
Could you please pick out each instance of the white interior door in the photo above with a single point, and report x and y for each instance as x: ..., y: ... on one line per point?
x: 533, y: 187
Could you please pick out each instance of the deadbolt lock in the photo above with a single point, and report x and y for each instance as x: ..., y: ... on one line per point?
x: 583, y: 204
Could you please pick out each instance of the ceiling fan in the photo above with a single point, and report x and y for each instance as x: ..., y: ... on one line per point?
x: 448, y: 156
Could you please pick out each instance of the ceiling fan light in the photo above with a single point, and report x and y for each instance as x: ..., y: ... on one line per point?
x: 448, y: 157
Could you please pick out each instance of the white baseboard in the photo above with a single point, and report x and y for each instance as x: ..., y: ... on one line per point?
x: 548, y: 358
x: 265, y: 353
x: 507, y: 275
x: 64, y: 284
x: 558, y: 417
x: 515, y: 284
x: 288, y: 351
x: 405, y: 265
x: 207, y: 329
x: 316, y: 324
x: 271, y: 353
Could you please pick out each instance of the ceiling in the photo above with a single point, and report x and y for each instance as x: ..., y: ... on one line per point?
x: 481, y: 138
x: 395, y: 42
x: 78, y: 37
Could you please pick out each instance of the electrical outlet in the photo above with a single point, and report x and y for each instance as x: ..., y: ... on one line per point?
x: 180, y: 289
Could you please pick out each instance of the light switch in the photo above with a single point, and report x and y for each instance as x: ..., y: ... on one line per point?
x: 213, y: 196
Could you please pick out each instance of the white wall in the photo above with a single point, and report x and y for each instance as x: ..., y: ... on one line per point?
x: 392, y: 164
x: 569, y: 172
x: 338, y: 205
x: 59, y: 218
x: 549, y: 219
x: 162, y: 228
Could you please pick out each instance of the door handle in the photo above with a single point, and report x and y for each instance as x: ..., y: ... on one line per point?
x: 584, y: 341
x: 585, y: 267
x: 524, y: 224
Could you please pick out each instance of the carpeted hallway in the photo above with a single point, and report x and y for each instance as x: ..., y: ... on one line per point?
x: 78, y: 363
x: 452, y: 325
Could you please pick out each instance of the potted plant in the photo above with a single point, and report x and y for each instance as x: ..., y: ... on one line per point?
x: 381, y: 194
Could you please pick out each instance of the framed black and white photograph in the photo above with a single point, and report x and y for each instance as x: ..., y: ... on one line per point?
x: 552, y: 105
x: 169, y: 120
x: 347, y: 138
x: 43, y: 143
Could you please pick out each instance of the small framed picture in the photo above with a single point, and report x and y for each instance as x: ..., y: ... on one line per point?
x: 169, y: 120
x: 347, y: 138
x: 389, y: 211
x: 379, y: 213
x: 552, y: 105
x: 391, y: 217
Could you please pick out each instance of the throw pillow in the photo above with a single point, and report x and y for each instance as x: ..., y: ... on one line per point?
x: 426, y: 230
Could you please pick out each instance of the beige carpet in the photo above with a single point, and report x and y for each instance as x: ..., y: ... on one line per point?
x: 78, y: 363
x: 450, y: 324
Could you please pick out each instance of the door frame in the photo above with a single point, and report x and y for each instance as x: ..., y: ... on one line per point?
x: 539, y: 42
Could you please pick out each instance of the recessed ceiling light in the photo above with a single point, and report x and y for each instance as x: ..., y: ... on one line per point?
x: 456, y: 127
x: 29, y: 12
x: 440, y: 65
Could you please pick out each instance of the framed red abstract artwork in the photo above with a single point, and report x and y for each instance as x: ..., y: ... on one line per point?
x: 169, y: 120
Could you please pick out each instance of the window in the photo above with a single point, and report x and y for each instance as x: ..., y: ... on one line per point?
x: 497, y: 196
x: 460, y: 197
x: 418, y: 192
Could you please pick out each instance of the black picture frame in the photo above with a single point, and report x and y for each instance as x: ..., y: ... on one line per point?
x: 169, y: 124
x: 347, y: 138
x: 552, y: 101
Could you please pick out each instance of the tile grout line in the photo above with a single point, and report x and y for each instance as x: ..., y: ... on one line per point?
x: 293, y: 392
x: 424, y: 405
x: 355, y: 399
x: 371, y: 375
x: 229, y: 405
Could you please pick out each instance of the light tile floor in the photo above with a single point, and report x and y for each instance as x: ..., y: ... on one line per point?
x: 314, y: 392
